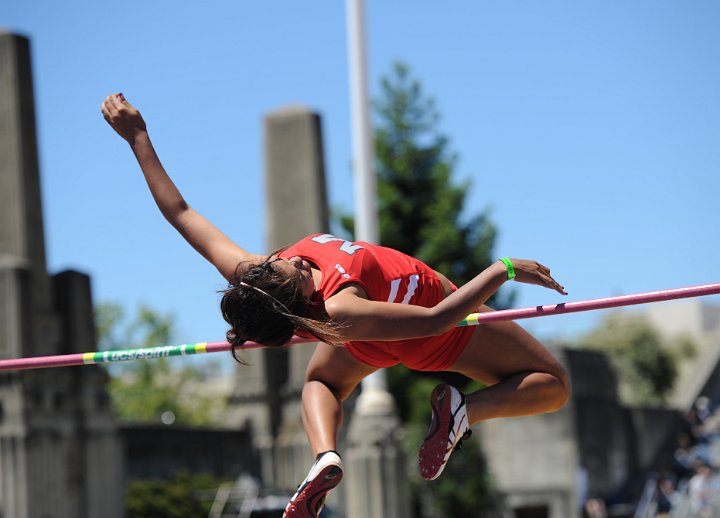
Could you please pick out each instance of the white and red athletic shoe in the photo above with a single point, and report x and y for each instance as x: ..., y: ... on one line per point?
x: 448, y: 428
x: 309, y: 499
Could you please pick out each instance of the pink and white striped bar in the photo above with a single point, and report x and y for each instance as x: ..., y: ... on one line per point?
x: 593, y: 304
x: 67, y: 360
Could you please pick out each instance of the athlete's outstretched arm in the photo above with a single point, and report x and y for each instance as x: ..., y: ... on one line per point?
x: 364, y: 319
x: 204, y: 237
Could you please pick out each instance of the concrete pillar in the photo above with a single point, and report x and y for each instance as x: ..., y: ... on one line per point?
x: 296, y: 200
x: 59, y: 452
x: 24, y: 287
x: 376, y: 483
x: 266, y: 392
x: 96, y: 463
x: 294, y: 176
x: 296, y: 206
x: 21, y: 230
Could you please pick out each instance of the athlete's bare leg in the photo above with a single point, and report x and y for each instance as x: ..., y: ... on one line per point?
x: 524, y: 378
x: 332, y: 375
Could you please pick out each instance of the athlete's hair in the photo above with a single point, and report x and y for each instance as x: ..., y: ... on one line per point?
x: 267, y: 306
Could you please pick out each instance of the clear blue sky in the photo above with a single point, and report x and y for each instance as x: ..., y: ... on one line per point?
x: 592, y: 129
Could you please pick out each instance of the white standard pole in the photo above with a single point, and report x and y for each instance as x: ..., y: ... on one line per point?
x: 366, y: 222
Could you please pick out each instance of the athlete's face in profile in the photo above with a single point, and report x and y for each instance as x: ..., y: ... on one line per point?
x: 299, y: 268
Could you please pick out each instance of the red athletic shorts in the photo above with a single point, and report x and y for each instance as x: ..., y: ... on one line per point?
x: 435, y: 353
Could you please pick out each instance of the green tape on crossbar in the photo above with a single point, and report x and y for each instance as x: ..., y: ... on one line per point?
x: 144, y: 353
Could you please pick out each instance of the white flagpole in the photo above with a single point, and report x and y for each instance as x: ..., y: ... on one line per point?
x: 366, y: 221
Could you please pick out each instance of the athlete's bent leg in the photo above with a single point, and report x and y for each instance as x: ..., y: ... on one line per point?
x: 523, y: 378
x: 331, y: 377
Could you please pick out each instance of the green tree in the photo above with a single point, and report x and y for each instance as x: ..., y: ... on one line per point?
x: 422, y: 213
x: 151, y: 391
x: 420, y: 209
x: 647, y: 364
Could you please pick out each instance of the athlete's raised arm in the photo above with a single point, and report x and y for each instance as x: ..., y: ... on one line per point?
x: 204, y: 237
x: 362, y: 319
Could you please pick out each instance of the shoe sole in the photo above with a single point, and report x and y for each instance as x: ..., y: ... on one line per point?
x: 309, y: 502
x: 435, y: 446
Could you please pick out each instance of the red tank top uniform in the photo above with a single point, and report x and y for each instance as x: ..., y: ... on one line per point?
x: 386, y: 275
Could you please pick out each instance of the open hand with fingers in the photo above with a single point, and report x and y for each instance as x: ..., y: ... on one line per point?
x: 123, y: 117
x: 532, y: 272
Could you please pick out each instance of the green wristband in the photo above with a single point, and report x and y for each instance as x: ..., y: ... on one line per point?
x: 509, y: 266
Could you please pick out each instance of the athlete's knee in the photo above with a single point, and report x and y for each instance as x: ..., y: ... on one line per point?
x: 340, y: 391
x: 559, y: 390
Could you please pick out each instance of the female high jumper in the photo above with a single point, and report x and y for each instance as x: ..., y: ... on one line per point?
x: 371, y: 307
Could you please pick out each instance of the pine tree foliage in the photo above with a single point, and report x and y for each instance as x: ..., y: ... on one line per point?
x: 420, y: 209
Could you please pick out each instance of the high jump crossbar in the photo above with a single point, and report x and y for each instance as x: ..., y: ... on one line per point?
x: 66, y: 360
